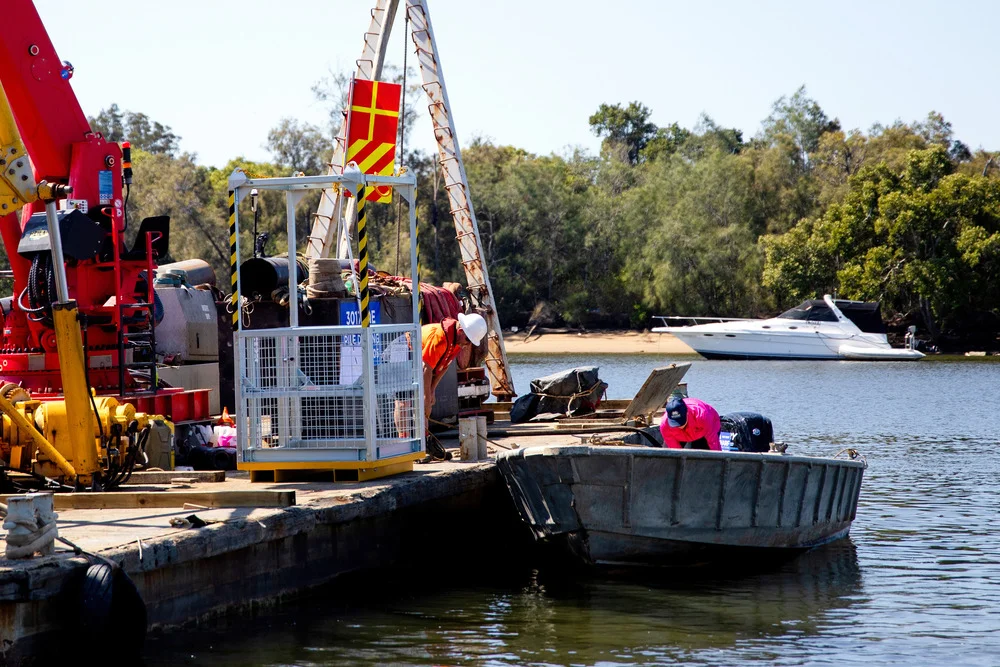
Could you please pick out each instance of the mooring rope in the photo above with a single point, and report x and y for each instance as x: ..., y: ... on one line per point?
x: 30, y: 525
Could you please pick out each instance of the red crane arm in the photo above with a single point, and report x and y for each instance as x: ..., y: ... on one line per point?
x: 47, y: 112
x: 63, y: 149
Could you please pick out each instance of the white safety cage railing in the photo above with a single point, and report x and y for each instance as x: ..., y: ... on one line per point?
x: 326, y: 394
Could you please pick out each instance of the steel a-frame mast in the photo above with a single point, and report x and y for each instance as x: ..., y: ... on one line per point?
x: 324, y: 232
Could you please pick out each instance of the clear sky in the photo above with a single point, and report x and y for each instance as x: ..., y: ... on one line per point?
x: 530, y: 73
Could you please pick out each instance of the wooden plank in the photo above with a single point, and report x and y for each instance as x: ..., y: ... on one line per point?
x: 501, y: 409
x: 565, y: 425
x: 166, y: 476
x: 656, y: 390
x: 85, y: 500
x: 615, y: 404
x: 607, y: 404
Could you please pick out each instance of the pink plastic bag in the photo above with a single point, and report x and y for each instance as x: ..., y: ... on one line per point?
x: 225, y: 436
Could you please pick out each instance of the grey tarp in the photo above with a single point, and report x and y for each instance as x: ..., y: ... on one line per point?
x: 575, y: 391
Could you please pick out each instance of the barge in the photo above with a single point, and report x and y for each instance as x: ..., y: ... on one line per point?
x: 614, y: 506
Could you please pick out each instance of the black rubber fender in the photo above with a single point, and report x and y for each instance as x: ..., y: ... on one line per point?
x: 96, y: 599
x: 110, y: 606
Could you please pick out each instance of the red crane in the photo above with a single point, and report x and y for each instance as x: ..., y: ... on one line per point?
x: 111, y: 283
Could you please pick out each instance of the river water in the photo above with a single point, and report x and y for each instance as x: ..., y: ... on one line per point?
x: 917, y: 582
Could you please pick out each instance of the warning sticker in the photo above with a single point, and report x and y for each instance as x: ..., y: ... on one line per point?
x: 105, y: 186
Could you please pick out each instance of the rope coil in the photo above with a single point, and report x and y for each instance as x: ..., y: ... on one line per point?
x: 30, y: 525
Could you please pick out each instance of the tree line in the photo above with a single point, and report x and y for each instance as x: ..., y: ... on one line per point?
x: 663, y: 220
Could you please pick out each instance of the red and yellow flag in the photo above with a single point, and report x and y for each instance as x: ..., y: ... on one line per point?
x: 372, y: 123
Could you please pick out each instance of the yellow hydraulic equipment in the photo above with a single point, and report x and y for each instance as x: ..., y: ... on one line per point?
x: 82, y: 441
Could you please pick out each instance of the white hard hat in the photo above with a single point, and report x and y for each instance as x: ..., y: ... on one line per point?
x: 473, y: 325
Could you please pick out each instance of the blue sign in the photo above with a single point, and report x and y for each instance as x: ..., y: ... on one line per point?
x: 350, y: 316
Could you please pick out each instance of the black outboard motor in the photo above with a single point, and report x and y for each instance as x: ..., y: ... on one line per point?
x: 746, y: 432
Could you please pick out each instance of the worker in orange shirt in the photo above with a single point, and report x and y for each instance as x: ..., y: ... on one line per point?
x: 441, y: 344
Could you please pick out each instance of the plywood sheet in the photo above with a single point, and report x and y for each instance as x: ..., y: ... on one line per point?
x: 655, y: 390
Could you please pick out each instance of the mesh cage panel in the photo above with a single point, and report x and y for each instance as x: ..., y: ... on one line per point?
x: 395, y: 387
x: 306, y: 389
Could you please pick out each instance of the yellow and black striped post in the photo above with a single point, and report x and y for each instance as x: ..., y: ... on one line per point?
x: 363, y: 255
x: 232, y: 259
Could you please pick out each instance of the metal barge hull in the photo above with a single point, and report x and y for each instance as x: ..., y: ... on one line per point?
x: 638, y: 506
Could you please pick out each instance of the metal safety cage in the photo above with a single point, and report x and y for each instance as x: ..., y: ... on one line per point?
x: 326, y: 396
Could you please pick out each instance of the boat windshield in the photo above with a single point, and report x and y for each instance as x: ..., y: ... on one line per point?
x: 866, y: 316
x: 814, y: 311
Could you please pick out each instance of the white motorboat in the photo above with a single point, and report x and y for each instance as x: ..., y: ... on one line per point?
x: 815, y: 329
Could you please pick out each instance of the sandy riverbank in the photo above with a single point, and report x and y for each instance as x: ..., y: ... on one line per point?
x: 596, y: 342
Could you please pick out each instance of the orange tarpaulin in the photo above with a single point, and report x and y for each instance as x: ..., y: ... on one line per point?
x: 372, y: 124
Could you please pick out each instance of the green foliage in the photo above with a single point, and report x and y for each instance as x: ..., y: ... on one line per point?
x: 176, y: 186
x: 784, y: 191
x: 271, y: 217
x: 800, y: 118
x: 798, y: 264
x: 709, y: 136
x: 692, y: 249
x: 628, y: 127
x: 921, y: 239
x: 666, y: 142
x: 671, y: 220
x: 300, y: 147
x: 531, y: 215
x: 137, y: 128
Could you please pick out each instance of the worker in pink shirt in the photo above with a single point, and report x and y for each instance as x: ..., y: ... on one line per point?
x: 690, y: 424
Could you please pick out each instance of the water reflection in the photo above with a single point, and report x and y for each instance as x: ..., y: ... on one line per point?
x: 682, y: 613
x: 547, y: 619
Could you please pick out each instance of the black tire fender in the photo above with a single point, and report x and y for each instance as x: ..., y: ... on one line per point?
x: 110, y: 605
x: 97, y: 596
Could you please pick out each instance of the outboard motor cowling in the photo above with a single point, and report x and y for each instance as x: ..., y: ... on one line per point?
x: 746, y: 432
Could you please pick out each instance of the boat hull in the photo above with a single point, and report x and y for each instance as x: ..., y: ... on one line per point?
x: 815, y: 344
x: 638, y: 506
x: 754, y: 345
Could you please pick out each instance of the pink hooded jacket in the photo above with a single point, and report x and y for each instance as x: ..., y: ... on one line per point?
x: 702, y: 422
